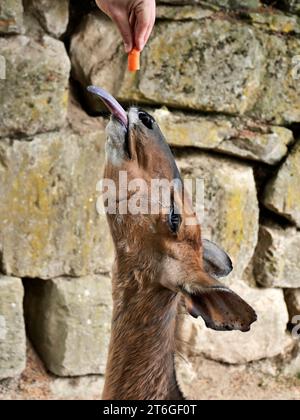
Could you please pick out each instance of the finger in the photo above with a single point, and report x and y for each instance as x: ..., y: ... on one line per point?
x: 147, y: 35
x: 149, y: 30
x: 132, y: 21
x: 102, y: 6
x: 123, y: 24
x: 145, y: 18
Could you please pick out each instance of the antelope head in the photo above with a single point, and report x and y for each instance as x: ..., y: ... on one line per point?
x: 166, y: 244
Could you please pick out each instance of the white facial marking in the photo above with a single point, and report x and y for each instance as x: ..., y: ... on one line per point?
x: 116, y: 135
x: 115, y: 139
x: 133, y: 116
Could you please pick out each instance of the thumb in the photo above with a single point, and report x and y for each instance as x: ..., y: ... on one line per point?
x: 122, y: 22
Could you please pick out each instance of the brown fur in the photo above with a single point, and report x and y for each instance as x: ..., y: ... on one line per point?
x: 141, y: 353
x: 153, y: 269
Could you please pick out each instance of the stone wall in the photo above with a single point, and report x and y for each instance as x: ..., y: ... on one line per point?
x: 222, y: 78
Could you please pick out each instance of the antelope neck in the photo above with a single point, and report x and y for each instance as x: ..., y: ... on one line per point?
x: 142, y: 347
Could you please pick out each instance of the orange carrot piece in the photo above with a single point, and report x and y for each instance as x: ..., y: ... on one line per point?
x: 134, y: 60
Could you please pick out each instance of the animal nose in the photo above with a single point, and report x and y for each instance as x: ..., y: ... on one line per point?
x: 111, y: 103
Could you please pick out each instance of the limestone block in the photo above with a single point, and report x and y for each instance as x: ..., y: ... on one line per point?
x: 12, y: 329
x: 34, y: 95
x: 68, y: 322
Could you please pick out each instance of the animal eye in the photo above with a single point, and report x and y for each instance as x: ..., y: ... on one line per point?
x: 146, y: 119
x: 174, y: 220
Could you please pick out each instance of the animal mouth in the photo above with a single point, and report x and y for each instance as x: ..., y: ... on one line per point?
x: 111, y: 103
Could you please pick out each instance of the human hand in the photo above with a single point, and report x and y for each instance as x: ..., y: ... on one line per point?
x: 134, y: 18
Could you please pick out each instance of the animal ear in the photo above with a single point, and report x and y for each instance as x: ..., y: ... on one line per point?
x: 220, y: 307
x: 216, y: 262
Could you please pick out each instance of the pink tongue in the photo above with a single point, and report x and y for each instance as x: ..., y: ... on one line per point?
x: 113, y: 105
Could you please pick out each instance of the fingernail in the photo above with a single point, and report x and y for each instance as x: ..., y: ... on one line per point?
x: 139, y: 46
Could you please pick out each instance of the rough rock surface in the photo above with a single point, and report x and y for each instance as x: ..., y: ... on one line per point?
x: 292, y: 5
x: 275, y: 21
x: 279, y: 98
x: 204, y: 379
x: 34, y: 96
x: 282, y: 194
x: 226, y: 135
x: 267, y: 338
x: 12, y: 329
x: 68, y: 322
x: 230, y: 205
x: 229, y: 4
x: 186, y: 12
x: 235, y: 66
x: 276, y: 261
x: 11, y: 16
x: 293, y: 367
x: 52, y: 15
x: 49, y: 223
x: 267, y: 19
